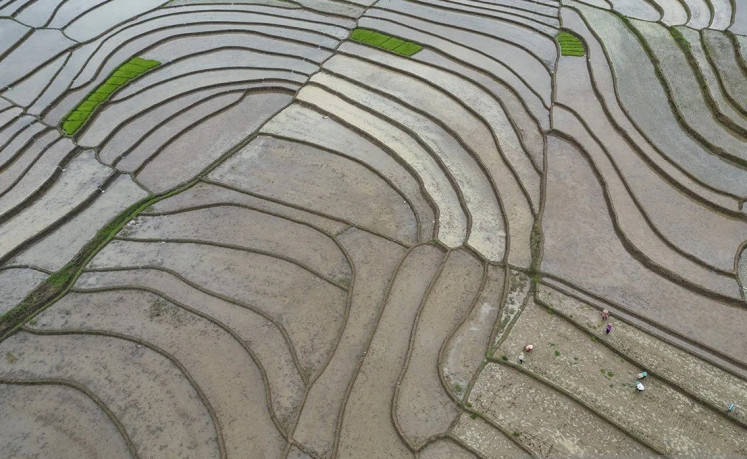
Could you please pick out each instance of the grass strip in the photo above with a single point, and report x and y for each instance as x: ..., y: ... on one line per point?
x: 121, y: 76
x: 570, y: 45
x: 385, y: 42
x: 59, y: 282
x: 686, y: 47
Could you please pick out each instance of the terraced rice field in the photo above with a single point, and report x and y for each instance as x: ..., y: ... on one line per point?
x: 328, y: 228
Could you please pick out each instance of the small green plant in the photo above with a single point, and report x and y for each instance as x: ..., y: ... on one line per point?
x: 157, y: 308
x: 516, y: 434
x: 570, y: 45
x: 504, y: 358
x: 59, y: 278
x: 458, y: 389
x: 550, y: 311
x: 557, y: 353
x: 593, y: 338
x: 535, y: 247
x: 607, y: 374
x: 473, y: 415
x: 385, y: 42
x: 120, y: 77
x: 679, y: 38
x: 343, y: 281
x: 468, y: 405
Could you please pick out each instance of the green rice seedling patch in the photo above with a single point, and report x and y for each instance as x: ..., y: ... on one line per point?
x: 376, y: 39
x: 87, y: 106
x: 121, y: 76
x: 392, y: 43
x: 385, y: 42
x: 360, y: 34
x: 570, y: 45
x: 407, y: 49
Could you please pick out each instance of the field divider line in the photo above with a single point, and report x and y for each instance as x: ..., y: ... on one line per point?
x: 562, y: 391
x: 87, y: 392
x: 156, y: 349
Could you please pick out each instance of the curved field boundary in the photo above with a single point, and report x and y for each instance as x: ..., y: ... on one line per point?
x: 570, y: 45
x: 145, y: 136
x: 370, y: 339
x: 715, y: 199
x: 657, y: 329
x: 320, y: 372
x: 443, y: 77
x: 25, y: 158
x: 158, y: 350
x: 621, y: 178
x: 442, y: 21
x: 367, y: 166
x: 459, y: 209
x: 238, y: 248
x: 403, y: 370
x: 225, y: 327
x: 630, y: 246
x: 524, y: 440
x: 243, y: 96
x: 530, y: 24
x: 281, y: 329
x: 167, y: 33
x: 619, y: 350
x: 709, y: 81
x: 277, y: 129
x: 123, y: 75
x: 82, y: 204
x: 708, y: 145
x: 385, y: 42
x: 84, y: 390
x: 315, y: 93
x: 59, y: 282
x: 333, y: 81
x: 586, y: 406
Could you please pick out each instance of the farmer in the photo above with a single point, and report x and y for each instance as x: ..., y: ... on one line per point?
x: 608, y: 328
x: 521, y: 358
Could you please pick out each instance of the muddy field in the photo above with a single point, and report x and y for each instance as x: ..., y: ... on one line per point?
x: 330, y: 228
